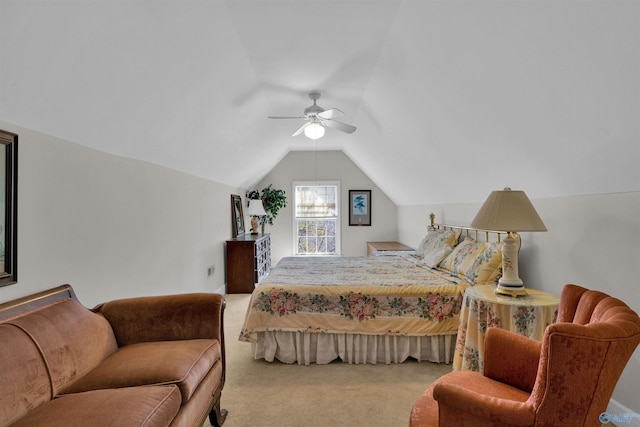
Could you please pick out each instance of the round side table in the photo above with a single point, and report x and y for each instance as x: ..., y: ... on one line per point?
x: 527, y: 315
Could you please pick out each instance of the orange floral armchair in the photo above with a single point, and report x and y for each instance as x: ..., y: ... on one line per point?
x: 567, y: 379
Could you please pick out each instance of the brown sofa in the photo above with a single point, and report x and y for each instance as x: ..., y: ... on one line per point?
x: 149, y: 361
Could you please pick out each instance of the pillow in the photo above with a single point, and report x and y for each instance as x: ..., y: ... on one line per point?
x: 436, y: 239
x: 433, y: 258
x: 480, y: 263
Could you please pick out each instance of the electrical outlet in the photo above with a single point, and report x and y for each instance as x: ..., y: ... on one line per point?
x: 210, y: 271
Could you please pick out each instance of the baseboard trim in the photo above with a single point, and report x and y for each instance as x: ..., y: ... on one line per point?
x: 617, y: 409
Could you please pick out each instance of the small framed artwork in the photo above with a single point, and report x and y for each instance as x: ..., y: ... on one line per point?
x: 237, y: 216
x: 359, y: 207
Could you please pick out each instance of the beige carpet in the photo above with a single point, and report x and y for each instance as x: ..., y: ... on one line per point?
x: 258, y: 393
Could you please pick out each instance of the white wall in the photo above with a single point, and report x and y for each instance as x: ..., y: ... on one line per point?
x: 592, y: 241
x: 113, y: 227
x: 116, y: 227
x: 331, y: 166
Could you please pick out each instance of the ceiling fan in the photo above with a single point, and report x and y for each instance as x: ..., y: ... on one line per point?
x: 317, y: 118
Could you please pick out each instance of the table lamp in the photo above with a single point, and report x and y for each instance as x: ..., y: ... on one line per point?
x: 511, y: 211
x: 255, y: 210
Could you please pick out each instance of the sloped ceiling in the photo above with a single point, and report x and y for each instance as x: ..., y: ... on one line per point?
x: 452, y: 99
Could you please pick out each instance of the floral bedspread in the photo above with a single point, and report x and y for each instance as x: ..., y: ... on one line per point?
x: 390, y: 295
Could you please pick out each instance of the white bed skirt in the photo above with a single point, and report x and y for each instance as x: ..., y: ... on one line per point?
x: 322, y: 348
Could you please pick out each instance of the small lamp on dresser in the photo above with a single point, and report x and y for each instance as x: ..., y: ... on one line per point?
x: 511, y: 211
x: 255, y: 210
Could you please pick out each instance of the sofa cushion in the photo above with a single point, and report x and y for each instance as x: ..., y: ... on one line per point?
x: 124, y: 407
x: 24, y: 380
x: 73, y: 340
x: 183, y: 363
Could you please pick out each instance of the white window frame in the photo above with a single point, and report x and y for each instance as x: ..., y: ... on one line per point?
x: 338, y: 217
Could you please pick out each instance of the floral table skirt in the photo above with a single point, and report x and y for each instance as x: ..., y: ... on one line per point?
x: 482, y: 309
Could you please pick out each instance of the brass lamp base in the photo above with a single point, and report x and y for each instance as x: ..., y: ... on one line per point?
x: 510, y: 284
x: 512, y: 292
x: 254, y: 225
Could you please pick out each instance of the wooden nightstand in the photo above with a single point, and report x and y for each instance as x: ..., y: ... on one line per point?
x: 388, y: 248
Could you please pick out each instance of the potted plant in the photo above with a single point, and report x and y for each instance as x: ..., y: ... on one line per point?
x: 272, y: 200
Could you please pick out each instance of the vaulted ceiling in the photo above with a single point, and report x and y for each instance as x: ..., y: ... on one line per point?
x: 452, y: 99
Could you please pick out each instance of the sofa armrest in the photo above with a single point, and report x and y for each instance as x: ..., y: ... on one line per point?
x: 459, y: 406
x: 165, y: 318
x: 511, y: 358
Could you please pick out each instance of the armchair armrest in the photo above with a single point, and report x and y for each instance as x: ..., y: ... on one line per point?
x: 460, y: 406
x: 165, y: 318
x: 511, y: 358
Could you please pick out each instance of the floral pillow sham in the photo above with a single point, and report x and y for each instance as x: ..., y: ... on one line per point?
x: 478, y: 262
x: 436, y: 245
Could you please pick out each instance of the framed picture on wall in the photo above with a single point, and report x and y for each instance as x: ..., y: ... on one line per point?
x: 359, y: 207
x: 237, y: 216
x: 9, y: 210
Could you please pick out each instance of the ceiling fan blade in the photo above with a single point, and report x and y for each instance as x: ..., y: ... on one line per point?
x: 299, y: 131
x: 331, y: 113
x: 287, y: 117
x: 339, y: 126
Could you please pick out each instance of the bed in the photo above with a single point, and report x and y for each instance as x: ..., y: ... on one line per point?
x: 371, y: 309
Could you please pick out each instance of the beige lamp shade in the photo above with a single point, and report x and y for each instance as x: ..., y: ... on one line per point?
x: 508, y: 210
x: 256, y: 208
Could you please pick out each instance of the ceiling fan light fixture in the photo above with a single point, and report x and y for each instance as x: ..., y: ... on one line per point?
x: 317, y: 118
x: 314, y: 131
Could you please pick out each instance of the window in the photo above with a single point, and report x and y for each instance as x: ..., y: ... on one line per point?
x: 316, y: 219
